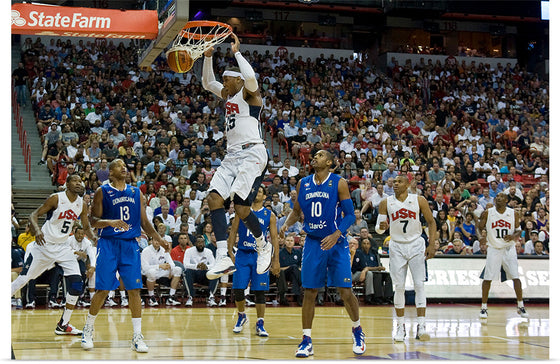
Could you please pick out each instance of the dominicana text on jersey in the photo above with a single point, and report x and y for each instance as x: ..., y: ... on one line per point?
x: 320, y: 205
x: 121, y: 205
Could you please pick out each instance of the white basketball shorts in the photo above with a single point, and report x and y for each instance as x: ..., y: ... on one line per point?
x: 44, y: 256
x: 402, y: 256
x: 238, y: 172
x: 497, y: 258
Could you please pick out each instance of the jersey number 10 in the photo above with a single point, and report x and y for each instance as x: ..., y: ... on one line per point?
x: 503, y: 232
x: 316, y: 209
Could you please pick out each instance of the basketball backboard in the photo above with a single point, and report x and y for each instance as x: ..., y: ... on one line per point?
x: 172, y: 16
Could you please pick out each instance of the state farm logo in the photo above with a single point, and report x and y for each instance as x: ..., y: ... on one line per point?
x: 17, y: 19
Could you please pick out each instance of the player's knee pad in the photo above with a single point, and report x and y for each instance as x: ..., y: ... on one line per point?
x: 259, y: 297
x: 74, y: 285
x: 399, y: 299
x: 71, y: 299
x: 238, y: 295
x: 420, y: 295
x: 176, y: 271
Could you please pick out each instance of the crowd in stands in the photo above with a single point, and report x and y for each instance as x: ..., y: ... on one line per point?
x: 461, y: 133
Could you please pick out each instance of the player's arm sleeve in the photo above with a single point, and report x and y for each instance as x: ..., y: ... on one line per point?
x: 209, y: 80
x: 186, y: 261
x: 349, y: 216
x: 248, y: 73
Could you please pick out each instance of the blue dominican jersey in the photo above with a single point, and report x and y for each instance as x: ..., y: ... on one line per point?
x: 246, y: 239
x: 320, y: 205
x: 121, y: 205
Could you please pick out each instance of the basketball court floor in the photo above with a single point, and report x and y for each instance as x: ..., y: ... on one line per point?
x: 203, y: 333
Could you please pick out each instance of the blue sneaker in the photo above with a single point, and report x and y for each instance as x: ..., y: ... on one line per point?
x: 260, y: 329
x: 359, y: 339
x: 305, y: 348
x: 241, y: 321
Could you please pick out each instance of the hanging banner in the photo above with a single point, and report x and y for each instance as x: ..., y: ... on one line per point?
x: 68, y: 21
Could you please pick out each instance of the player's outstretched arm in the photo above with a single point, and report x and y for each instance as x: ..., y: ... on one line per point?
x: 275, y: 267
x: 432, y: 227
x: 232, y: 236
x: 208, y: 79
x: 294, y: 215
x: 50, y: 204
x: 251, y: 84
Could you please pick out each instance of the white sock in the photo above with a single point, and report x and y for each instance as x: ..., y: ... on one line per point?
x: 91, y: 295
x: 137, y: 325
x: 307, y: 332
x: 520, y: 303
x: 484, y: 306
x: 260, y: 319
x: 150, y: 293
x: 421, y: 320
x: 66, y: 316
x: 90, y: 319
x: 400, y: 320
x: 111, y: 294
x: 123, y: 294
x: 221, y: 250
x: 172, y: 291
x: 211, y: 295
x: 355, y: 324
x: 223, y: 291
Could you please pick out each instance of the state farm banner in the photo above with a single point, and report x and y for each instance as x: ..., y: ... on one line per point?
x: 68, y: 21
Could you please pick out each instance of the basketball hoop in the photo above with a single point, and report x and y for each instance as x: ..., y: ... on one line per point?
x: 198, y: 36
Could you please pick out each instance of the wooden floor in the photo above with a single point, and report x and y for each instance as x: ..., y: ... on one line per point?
x: 206, y: 333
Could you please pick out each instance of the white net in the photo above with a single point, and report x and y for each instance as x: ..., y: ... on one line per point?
x: 197, y: 36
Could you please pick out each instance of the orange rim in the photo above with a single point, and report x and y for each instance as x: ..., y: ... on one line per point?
x: 206, y: 24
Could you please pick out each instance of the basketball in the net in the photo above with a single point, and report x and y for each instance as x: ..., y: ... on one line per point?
x: 179, y: 61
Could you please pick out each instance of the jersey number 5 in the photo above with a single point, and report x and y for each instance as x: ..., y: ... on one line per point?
x: 66, y: 226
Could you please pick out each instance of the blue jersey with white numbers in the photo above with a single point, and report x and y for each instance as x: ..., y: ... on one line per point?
x: 320, y: 205
x: 246, y: 239
x: 121, y: 205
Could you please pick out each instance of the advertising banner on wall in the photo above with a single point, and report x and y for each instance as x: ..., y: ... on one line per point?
x: 69, y: 21
x: 455, y: 277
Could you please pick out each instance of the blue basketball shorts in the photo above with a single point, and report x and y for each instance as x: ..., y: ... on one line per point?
x: 246, y: 264
x: 332, y: 265
x: 118, y: 255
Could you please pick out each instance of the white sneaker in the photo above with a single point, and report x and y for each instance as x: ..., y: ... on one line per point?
x: 18, y: 303
x: 138, y: 343
x: 248, y: 302
x: 421, y: 333
x: 400, y: 334
x: 222, y: 302
x: 223, y: 266
x: 305, y: 348
x: 30, y: 304
x: 87, y: 338
x: 264, y: 258
x: 483, y: 313
x: 211, y: 302
x: 124, y: 302
x: 522, y: 312
x: 241, y: 321
x: 110, y: 302
x: 189, y: 302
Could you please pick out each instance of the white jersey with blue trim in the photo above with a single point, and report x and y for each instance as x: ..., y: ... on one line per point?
x: 242, y: 122
x: 58, y: 226
x: 404, y: 219
x: 499, y: 225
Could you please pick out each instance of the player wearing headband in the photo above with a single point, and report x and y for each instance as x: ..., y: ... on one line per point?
x: 241, y: 171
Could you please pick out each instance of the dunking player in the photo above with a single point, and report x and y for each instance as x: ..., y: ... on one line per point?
x: 502, y: 224
x: 407, y: 249
x: 51, y: 245
x: 322, y: 197
x: 118, y: 212
x: 240, y: 174
x: 246, y: 263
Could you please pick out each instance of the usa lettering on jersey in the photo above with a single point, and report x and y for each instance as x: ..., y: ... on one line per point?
x: 68, y: 215
x: 231, y: 108
x: 403, y: 214
x: 501, y: 223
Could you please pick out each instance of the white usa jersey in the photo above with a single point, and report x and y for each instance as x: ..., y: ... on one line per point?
x: 59, y: 222
x: 242, y: 122
x: 499, y: 225
x: 404, y: 219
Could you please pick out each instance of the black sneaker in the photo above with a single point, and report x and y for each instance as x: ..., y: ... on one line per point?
x: 152, y: 301
x: 522, y: 312
x: 66, y: 329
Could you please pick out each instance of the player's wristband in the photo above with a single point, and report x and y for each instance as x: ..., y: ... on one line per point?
x: 380, y: 218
